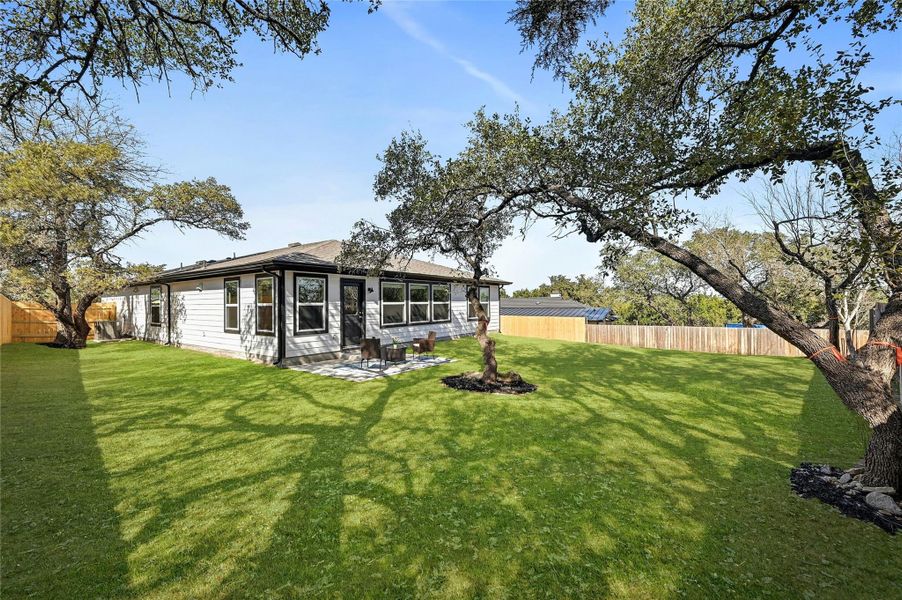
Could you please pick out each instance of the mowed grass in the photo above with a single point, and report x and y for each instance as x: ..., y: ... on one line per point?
x: 131, y: 470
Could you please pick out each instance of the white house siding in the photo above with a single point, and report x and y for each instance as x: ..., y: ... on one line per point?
x: 133, y: 313
x: 198, y: 318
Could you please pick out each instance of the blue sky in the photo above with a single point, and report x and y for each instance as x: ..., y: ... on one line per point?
x: 296, y: 140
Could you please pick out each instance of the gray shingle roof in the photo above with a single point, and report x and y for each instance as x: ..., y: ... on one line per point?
x: 318, y: 255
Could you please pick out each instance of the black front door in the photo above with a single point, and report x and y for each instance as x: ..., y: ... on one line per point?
x: 352, y: 313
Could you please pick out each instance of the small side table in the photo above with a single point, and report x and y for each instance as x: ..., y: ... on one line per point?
x: 393, y: 355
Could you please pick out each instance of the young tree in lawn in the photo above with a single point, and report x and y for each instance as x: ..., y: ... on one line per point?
x: 71, y: 199
x: 464, y: 223
x: 58, y: 52
x: 694, y: 96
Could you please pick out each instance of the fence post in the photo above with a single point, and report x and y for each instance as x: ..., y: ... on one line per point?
x: 6, y: 320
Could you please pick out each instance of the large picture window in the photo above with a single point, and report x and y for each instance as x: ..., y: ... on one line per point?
x: 230, y: 304
x: 156, y: 305
x: 310, y: 299
x: 394, y: 306
x: 483, y: 299
x: 418, y: 294
x: 441, y: 302
x: 263, y: 300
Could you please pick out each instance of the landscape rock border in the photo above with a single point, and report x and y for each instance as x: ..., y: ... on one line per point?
x: 508, y: 383
x: 844, y: 490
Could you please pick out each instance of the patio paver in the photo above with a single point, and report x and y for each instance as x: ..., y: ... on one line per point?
x: 351, y: 370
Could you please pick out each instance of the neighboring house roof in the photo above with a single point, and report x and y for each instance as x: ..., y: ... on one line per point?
x: 317, y: 256
x: 552, y: 307
x: 599, y: 314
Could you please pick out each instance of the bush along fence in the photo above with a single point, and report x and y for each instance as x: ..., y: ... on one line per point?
x: 30, y: 322
x: 720, y: 340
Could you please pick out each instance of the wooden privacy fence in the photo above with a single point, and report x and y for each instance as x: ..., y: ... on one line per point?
x: 30, y: 322
x: 722, y: 340
x: 570, y: 329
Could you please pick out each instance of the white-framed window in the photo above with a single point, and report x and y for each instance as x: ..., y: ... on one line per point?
x: 441, y: 302
x: 230, y: 304
x: 418, y: 300
x: 393, y: 304
x: 264, y: 294
x: 484, y: 296
x: 156, y: 305
x: 311, y: 314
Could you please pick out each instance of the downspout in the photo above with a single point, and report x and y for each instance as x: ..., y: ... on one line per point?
x: 168, y: 314
x: 280, y: 330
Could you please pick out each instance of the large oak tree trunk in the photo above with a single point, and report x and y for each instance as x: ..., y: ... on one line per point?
x: 72, y: 327
x: 72, y: 330
x: 490, y: 365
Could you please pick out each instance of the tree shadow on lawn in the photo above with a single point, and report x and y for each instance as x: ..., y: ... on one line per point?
x: 730, y: 429
x: 626, y: 474
x: 60, y: 529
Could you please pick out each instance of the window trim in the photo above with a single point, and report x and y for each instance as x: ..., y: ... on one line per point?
x: 487, y: 306
x: 325, y: 328
x: 257, y: 330
x: 428, y: 303
x: 225, y: 305
x: 403, y: 285
x: 432, y: 302
x: 150, y: 321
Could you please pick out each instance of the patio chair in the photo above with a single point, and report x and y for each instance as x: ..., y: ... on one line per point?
x: 424, y: 345
x: 370, y: 348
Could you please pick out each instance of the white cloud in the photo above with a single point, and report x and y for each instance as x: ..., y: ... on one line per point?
x: 417, y: 32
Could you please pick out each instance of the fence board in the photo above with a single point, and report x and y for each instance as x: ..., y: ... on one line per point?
x: 30, y: 322
x: 721, y: 340
x: 6, y: 320
x: 571, y: 329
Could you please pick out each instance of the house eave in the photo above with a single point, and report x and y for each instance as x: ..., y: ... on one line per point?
x: 309, y: 267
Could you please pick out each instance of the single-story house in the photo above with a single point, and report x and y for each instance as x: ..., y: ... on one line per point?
x: 294, y: 304
x: 555, y: 306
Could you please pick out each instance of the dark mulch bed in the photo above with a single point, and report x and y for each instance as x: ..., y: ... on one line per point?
x: 820, y: 481
x: 508, y: 383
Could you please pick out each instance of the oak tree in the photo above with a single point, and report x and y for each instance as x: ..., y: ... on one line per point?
x: 72, y: 197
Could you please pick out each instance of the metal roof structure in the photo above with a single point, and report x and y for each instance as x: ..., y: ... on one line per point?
x: 553, y: 307
x: 599, y: 314
x: 316, y: 256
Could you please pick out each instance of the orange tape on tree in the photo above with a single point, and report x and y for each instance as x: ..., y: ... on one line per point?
x: 833, y: 349
x: 897, y: 348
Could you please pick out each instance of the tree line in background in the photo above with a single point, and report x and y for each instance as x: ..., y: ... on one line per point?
x: 646, y: 288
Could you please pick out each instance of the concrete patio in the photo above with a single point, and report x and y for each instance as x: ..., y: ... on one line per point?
x: 352, y: 370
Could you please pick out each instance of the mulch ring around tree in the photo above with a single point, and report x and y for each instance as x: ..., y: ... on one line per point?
x: 843, y: 489
x: 508, y: 383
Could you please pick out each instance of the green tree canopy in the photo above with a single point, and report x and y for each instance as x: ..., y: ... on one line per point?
x: 68, y: 204
x: 49, y: 48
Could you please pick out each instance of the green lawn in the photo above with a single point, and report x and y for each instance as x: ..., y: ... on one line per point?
x: 135, y: 470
